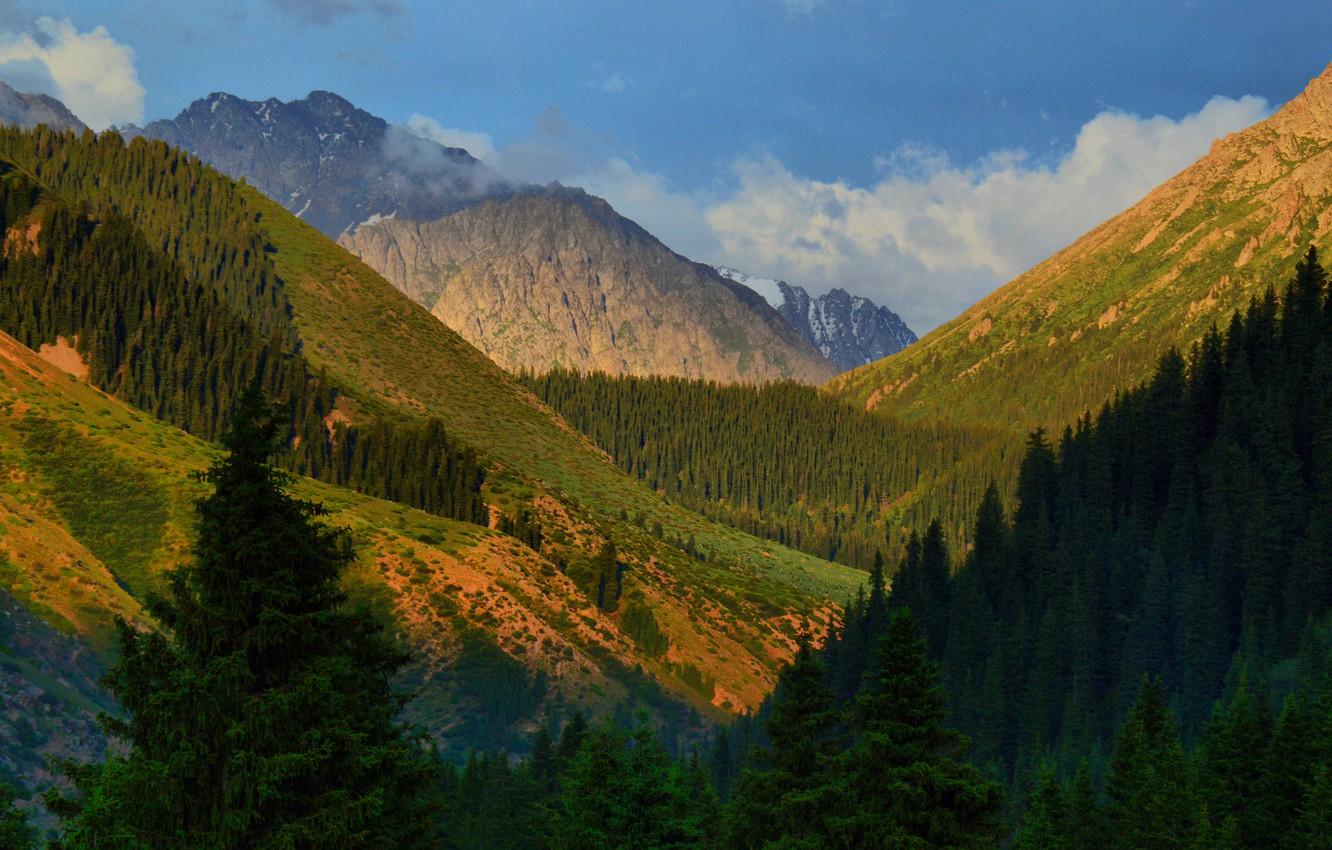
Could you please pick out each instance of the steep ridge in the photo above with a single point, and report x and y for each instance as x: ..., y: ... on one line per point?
x: 29, y: 110
x: 325, y: 160
x: 559, y: 279
x: 850, y: 330
x: 83, y: 471
x: 723, y: 607
x: 1060, y: 338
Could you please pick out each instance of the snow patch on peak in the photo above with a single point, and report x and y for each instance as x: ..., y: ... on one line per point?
x: 375, y: 218
x: 850, y: 330
x: 770, y: 289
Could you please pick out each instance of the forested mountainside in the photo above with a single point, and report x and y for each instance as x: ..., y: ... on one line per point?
x: 1265, y: 178
x: 102, y: 235
x: 1140, y: 653
x: 1180, y: 534
x: 1185, y: 522
x: 325, y: 160
x: 557, y: 278
x: 783, y: 461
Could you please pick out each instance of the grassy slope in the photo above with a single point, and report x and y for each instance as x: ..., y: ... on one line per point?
x: 393, y: 352
x: 69, y: 452
x: 96, y: 501
x: 1062, y: 337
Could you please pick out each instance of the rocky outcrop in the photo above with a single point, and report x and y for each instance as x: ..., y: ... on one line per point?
x: 559, y: 279
x: 325, y: 160
x: 29, y: 110
x: 849, y: 330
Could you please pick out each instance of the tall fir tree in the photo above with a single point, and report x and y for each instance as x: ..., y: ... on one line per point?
x: 259, y: 715
x: 787, y: 798
x: 1148, y: 790
x: 909, y: 782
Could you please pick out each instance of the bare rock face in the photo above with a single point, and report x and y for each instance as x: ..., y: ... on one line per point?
x: 558, y: 279
x: 29, y: 110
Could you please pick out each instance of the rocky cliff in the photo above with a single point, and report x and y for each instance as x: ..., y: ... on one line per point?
x: 558, y: 278
x: 29, y: 110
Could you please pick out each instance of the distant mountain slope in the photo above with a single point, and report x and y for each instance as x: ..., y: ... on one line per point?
x: 558, y: 278
x: 84, y: 472
x: 699, y: 614
x: 325, y: 160
x: 849, y: 330
x: 1062, y: 337
x: 29, y: 110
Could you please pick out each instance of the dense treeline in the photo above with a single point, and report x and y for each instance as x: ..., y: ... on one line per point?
x: 1184, y: 533
x: 258, y: 712
x: 878, y: 771
x: 782, y: 461
x: 183, y: 344
x: 190, y: 213
x: 1254, y: 776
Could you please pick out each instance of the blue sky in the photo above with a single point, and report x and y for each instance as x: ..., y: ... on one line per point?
x: 830, y: 142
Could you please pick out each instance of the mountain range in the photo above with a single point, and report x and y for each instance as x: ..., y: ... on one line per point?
x: 29, y: 110
x: 325, y: 160
x: 546, y: 545
x: 559, y: 279
x: 537, y: 278
x: 850, y: 330
x: 700, y: 612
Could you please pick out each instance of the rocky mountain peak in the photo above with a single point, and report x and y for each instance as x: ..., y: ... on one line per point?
x: 326, y: 160
x: 556, y: 277
x: 850, y: 330
x: 1309, y: 113
x: 29, y: 110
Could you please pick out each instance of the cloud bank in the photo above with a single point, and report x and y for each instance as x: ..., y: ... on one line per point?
x: 927, y: 237
x: 90, y: 72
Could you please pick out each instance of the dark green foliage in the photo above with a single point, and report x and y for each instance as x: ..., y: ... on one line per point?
x: 525, y: 527
x: 1181, y: 525
x: 260, y: 716
x: 1147, y: 792
x: 15, y: 833
x: 789, y: 797
x: 607, y: 788
x: 637, y: 621
x: 782, y: 461
x: 180, y: 328
x: 1047, y: 821
x: 910, y: 782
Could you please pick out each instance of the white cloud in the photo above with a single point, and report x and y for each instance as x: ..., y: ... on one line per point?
x: 91, y: 72
x: 615, y: 83
x: 479, y: 145
x: 929, y: 237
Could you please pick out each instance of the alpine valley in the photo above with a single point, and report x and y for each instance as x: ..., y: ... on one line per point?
x: 353, y: 494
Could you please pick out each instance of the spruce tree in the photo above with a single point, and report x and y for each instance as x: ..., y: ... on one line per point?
x: 259, y: 715
x: 1149, y: 804
x: 787, y: 798
x: 1046, y: 821
x: 910, y: 782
